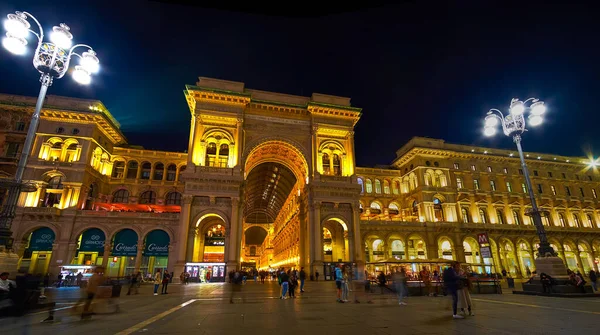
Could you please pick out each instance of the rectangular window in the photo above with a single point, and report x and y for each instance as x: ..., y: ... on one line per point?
x: 473, y: 167
x: 568, y: 190
x: 540, y: 189
x: 521, y: 171
x: 550, y: 174
x: 594, y: 193
x: 564, y: 175
x: 456, y: 166
x: 535, y: 173
x: 581, y: 192
x: 476, y: 183
x: 508, y: 187
x: 524, y: 187
x: 493, y: 185
x: 12, y: 150
x: 505, y: 170
x: 20, y: 126
x: 553, y: 189
x: 459, y: 183
x: 489, y: 169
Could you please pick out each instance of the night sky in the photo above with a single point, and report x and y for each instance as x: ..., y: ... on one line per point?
x: 417, y: 69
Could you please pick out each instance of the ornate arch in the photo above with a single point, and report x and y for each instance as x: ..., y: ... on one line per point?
x: 339, y: 218
x: 164, y: 228
x: 209, y: 212
x: 118, y: 229
x: 80, y: 230
x: 30, y: 227
x: 273, y: 149
x: 218, y: 136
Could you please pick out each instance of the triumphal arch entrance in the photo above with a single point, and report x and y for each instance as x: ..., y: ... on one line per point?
x: 269, y: 181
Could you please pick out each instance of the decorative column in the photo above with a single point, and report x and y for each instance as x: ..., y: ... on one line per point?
x: 182, y: 234
x: 356, y: 246
x: 138, y: 257
x: 106, y: 255
x: 459, y: 249
x: 71, y: 250
x: 317, y: 236
x: 235, y: 237
x: 189, y: 254
x: 578, y: 258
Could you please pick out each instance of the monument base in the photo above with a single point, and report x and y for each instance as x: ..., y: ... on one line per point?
x: 552, y: 266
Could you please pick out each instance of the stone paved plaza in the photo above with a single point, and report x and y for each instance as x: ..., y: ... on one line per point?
x: 205, y: 309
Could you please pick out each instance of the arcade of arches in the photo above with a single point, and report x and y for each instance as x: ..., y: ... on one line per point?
x: 270, y: 180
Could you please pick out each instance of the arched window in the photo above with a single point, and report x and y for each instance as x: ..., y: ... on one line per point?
x: 121, y: 197
x: 181, y: 169
x: 377, y: 186
x: 132, y: 170
x: 211, y: 154
x: 55, y: 183
x: 362, y: 186
x: 146, y: 169
x: 428, y: 179
x: 118, y: 169
x: 415, y: 208
x: 386, y: 187
x: 500, y: 216
x: 171, y: 172
x: 446, y: 249
x: 159, y: 170
x: 393, y: 208
x: 483, y: 215
x: 148, y: 197
x: 517, y: 217
x: 71, y: 153
x: 438, y: 210
x: 576, y: 220
x: 337, y: 165
x: 326, y: 164
x: 561, y: 220
x: 375, y: 205
x: 590, y: 221
x: 396, y: 187
x: 369, y: 186
x: 465, y: 215
x: 223, y: 155
x: 173, y: 198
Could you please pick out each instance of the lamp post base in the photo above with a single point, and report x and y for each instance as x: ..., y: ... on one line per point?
x: 552, y: 266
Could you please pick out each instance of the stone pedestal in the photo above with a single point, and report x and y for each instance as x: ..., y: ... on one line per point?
x: 552, y: 266
x: 8, y: 261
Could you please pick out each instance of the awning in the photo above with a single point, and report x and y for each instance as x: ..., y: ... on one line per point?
x: 92, y: 240
x: 125, y: 243
x: 137, y: 208
x: 42, y: 239
x: 157, y: 243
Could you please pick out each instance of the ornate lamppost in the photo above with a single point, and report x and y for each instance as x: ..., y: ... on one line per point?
x: 51, y: 59
x: 514, y: 125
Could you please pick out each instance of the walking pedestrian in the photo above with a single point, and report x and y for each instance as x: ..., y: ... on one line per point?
x: 425, y: 277
x: 451, y: 279
x: 293, y: 283
x: 284, y: 278
x: 463, y: 295
x: 302, y: 279
x: 338, y: 282
x: 134, y: 283
x: 317, y: 275
x: 400, y: 285
x: 236, y: 286
x: 345, y: 288
x: 95, y: 280
x: 165, y: 283
x: 593, y: 278
x: 157, y: 281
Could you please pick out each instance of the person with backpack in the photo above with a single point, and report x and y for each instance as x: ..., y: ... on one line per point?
x: 338, y: 282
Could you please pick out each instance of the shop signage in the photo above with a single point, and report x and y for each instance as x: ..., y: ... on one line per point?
x: 215, y: 241
x: 92, y: 240
x: 377, y: 253
x: 483, y: 239
x: 41, y: 240
x: 157, y: 243
x: 125, y: 243
x: 486, y: 252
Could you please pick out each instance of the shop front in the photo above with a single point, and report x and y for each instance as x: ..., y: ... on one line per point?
x: 206, y: 272
x: 123, y: 254
x: 90, y: 249
x: 36, y: 257
x: 156, y: 252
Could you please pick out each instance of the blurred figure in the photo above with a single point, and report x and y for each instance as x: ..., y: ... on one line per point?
x: 165, y: 283
x: 284, y: 282
x: 451, y: 281
x: 236, y: 286
x: 400, y: 282
x: 157, y: 281
x: 79, y: 278
x: 464, y: 296
x: 95, y: 280
x: 47, y: 279
x: 293, y: 283
x: 302, y: 279
x: 426, y: 278
x: 134, y: 283
x: 339, y: 277
x: 6, y: 285
x: 345, y: 288
x: 382, y: 280
x: 593, y: 278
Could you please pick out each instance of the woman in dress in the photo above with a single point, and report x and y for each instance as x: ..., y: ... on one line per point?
x: 464, y: 297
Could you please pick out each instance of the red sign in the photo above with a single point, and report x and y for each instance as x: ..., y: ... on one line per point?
x: 115, y: 259
x: 483, y: 239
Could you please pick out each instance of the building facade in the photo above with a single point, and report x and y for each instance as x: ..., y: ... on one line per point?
x: 269, y: 180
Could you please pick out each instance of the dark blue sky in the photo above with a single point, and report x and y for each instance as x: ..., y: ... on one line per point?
x: 425, y: 69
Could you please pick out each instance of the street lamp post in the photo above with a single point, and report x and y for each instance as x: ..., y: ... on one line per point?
x: 514, y: 125
x: 52, y: 60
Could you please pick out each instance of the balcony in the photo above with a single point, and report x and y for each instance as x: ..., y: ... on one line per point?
x: 114, y: 214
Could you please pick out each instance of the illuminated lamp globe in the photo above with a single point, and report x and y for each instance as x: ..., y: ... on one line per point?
x: 89, y: 61
x: 538, y: 108
x: 535, y: 120
x: 517, y: 108
x: 489, y: 131
x: 14, y: 44
x: 61, y: 36
x: 17, y: 25
x: 491, y: 121
x: 81, y: 76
